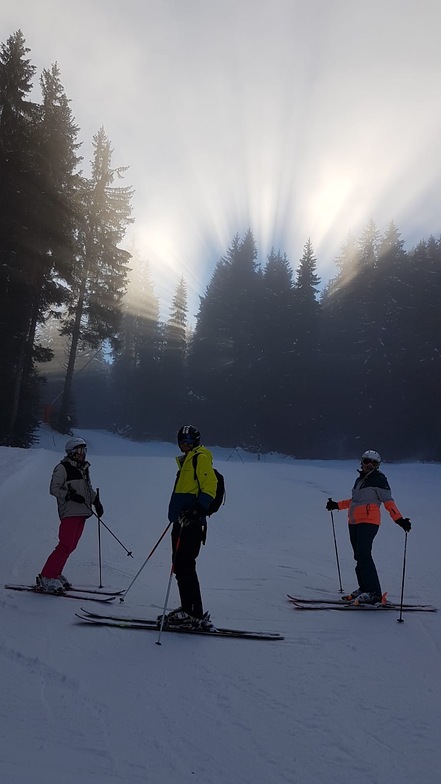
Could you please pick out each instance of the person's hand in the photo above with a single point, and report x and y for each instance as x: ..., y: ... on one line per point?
x: 404, y: 523
x: 99, y: 508
x: 331, y: 505
x: 189, y: 516
x: 73, y: 496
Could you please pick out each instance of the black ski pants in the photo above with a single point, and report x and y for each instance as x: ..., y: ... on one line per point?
x: 362, y: 536
x: 186, y: 544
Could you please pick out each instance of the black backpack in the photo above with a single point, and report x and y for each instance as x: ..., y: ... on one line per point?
x: 221, y: 494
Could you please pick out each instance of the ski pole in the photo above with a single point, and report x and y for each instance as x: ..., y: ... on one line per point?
x: 336, y: 551
x: 99, y: 545
x: 172, y: 571
x: 99, y: 554
x: 129, y: 552
x: 147, y: 559
x: 401, y: 619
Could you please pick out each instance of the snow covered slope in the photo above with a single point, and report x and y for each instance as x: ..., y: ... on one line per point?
x: 343, y: 699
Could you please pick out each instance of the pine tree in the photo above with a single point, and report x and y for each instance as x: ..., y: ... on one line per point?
x: 224, y: 351
x: 386, y: 358
x: 418, y: 387
x: 91, y: 390
x: 306, y: 360
x: 136, y: 367
x: 340, y: 309
x: 20, y: 189
x: 102, y: 266
x: 174, y: 362
x: 55, y: 213
x: 306, y: 290
x: 210, y: 356
x: 276, y: 326
x: 360, y: 339
x: 16, y: 173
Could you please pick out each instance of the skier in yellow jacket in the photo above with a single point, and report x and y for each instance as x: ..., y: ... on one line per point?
x: 194, y: 490
x: 371, y: 489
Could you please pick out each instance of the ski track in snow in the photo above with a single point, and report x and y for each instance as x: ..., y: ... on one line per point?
x: 51, y: 702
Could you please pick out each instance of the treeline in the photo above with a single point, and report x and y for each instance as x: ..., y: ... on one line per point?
x: 59, y: 239
x: 271, y: 364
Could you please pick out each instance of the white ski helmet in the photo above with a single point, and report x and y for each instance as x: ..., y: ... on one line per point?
x: 371, y: 456
x: 74, y: 443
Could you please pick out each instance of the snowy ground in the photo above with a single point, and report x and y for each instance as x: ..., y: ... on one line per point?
x: 344, y: 699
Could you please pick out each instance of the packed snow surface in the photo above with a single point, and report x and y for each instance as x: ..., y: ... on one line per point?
x: 343, y: 699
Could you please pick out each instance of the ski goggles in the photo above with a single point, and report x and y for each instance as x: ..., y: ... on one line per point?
x: 187, y: 440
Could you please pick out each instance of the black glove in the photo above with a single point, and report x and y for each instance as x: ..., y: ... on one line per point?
x: 189, y: 516
x: 331, y: 505
x: 99, y: 508
x: 404, y: 523
x: 73, y: 496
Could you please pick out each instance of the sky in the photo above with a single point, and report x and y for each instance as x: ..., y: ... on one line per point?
x: 298, y: 119
x: 344, y: 697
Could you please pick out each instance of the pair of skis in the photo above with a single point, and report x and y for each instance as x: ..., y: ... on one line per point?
x: 81, y: 594
x: 300, y: 603
x: 146, y: 624
x: 125, y: 622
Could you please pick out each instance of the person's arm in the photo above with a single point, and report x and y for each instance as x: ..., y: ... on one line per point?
x: 207, y: 482
x: 337, y: 505
x: 385, y: 496
x: 58, y: 486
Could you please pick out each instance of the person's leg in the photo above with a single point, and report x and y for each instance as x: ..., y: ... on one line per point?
x: 69, y: 535
x: 353, y: 536
x: 185, y: 568
x: 362, y: 536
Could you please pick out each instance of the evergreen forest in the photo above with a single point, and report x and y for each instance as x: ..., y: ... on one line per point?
x: 275, y: 361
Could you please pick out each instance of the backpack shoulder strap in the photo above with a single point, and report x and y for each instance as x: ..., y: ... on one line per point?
x: 194, y: 460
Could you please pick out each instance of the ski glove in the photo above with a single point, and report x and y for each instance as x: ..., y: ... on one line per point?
x: 99, y: 508
x: 404, y: 523
x: 189, y: 516
x: 331, y: 505
x: 73, y: 496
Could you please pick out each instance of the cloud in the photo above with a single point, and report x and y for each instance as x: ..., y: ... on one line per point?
x: 298, y: 120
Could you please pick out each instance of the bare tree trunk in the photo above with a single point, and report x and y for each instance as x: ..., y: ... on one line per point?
x: 17, y: 390
x: 63, y: 417
x: 24, y: 362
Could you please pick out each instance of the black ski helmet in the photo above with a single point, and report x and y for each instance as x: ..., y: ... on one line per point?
x: 189, y: 434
